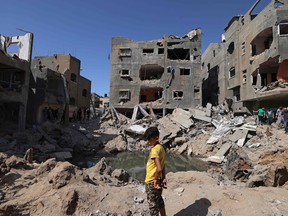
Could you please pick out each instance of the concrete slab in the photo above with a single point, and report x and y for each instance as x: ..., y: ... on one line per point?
x: 182, y: 117
x: 239, y: 137
x: 168, y: 129
x: 223, y: 150
x: 200, y: 115
x: 208, y: 109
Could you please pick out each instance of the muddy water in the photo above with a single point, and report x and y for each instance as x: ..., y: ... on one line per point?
x: 134, y: 163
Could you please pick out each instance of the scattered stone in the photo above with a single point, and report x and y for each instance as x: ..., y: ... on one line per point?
x: 138, y: 200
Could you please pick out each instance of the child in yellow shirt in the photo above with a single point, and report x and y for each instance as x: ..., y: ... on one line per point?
x: 155, y: 179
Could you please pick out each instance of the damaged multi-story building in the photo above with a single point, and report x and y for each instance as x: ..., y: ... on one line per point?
x: 48, y: 92
x: 249, y: 67
x: 15, y: 60
x: 76, y: 91
x: 163, y: 73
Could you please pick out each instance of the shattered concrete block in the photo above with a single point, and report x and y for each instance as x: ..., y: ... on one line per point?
x: 183, y: 148
x: 224, y: 149
x: 180, y: 140
x: 215, y: 159
x: 220, y: 155
x: 208, y: 109
x: 182, y: 117
x: 137, y: 129
x: 167, y: 128
x: 200, y: 115
x: 239, y: 137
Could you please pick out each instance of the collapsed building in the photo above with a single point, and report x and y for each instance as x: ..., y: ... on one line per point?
x: 164, y: 73
x: 248, y: 68
x: 47, y: 89
x: 15, y: 58
x: 64, y: 82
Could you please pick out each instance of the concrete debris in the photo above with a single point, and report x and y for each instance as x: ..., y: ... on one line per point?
x: 220, y: 155
x: 179, y: 190
x: 183, y: 148
x: 239, y: 137
x: 137, y: 129
x: 254, y: 145
x: 138, y: 200
x: 224, y: 127
x: 182, y: 118
x: 168, y: 129
x: 137, y: 109
x: 200, y: 115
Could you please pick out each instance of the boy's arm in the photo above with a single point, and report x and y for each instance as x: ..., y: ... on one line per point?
x: 158, y: 173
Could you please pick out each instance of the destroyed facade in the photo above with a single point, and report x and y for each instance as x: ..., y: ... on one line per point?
x: 163, y: 73
x: 248, y: 68
x: 47, y: 90
x: 14, y: 78
x: 78, y: 87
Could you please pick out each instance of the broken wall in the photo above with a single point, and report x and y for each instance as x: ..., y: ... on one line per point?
x: 14, y: 79
x: 47, y: 89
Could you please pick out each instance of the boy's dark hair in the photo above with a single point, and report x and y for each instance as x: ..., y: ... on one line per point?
x: 151, y: 132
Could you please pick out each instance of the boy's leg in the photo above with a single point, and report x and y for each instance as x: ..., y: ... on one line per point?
x: 155, y: 201
x: 163, y: 212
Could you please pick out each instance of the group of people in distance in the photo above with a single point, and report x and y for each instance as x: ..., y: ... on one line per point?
x: 268, y: 116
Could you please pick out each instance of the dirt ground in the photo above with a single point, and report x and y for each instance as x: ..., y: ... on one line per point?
x: 35, y: 192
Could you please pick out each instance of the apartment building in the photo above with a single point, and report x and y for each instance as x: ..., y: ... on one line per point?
x: 15, y: 59
x: 48, y: 95
x: 78, y: 87
x: 163, y: 73
x: 249, y: 67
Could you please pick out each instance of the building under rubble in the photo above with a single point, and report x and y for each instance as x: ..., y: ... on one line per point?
x: 164, y: 73
x: 15, y: 58
x: 63, y: 84
x: 249, y: 67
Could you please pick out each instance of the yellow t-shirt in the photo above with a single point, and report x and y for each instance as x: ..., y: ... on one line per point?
x: 156, y: 152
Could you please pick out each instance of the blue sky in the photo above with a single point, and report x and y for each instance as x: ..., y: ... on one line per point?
x: 84, y: 28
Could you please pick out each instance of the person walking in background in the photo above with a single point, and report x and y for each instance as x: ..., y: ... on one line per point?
x: 285, y: 119
x: 270, y: 116
x: 279, y: 116
x: 261, y: 115
x: 155, y: 179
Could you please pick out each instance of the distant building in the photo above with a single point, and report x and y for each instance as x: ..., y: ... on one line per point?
x: 95, y: 100
x: 249, y: 66
x: 104, y: 101
x: 164, y: 73
x: 14, y: 78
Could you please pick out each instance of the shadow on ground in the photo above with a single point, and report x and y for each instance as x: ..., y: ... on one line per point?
x: 198, y: 208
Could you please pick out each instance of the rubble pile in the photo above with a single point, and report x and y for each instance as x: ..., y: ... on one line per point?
x: 231, y: 144
x: 238, y: 151
x: 50, y: 140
